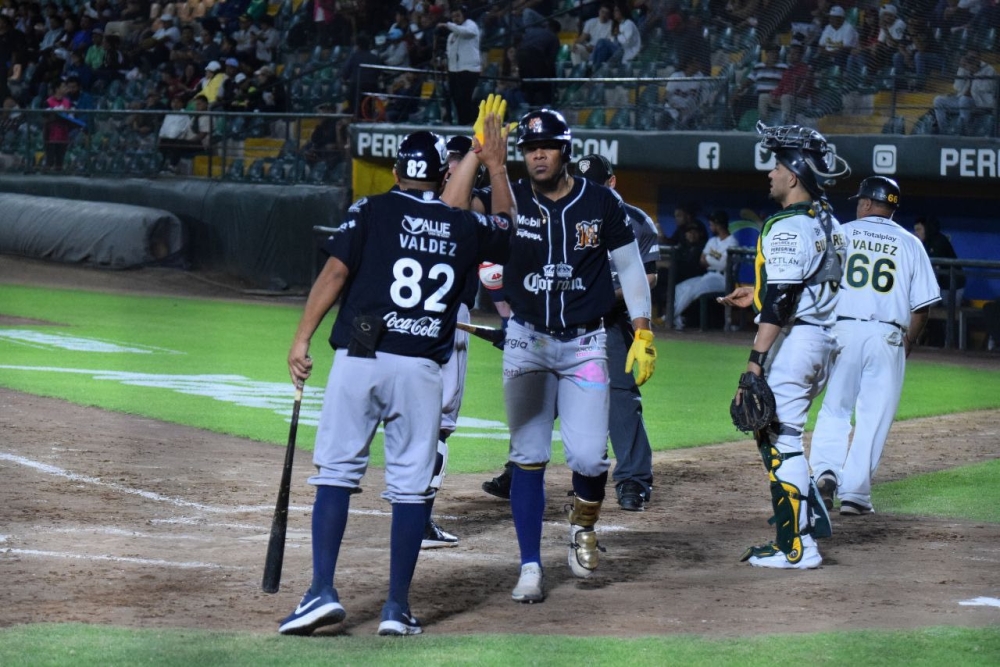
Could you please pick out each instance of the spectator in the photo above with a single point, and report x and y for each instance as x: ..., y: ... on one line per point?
x: 360, y: 80
x: 245, y: 37
x: 187, y: 50
x: 144, y: 125
x: 593, y: 31
x: 183, y: 134
x: 322, y: 145
x: 114, y: 59
x: 463, y: 63
x: 793, y: 92
x: 94, y: 58
x: 837, y: 40
x: 975, y: 89
x: 271, y: 95
x: 11, y: 121
x: 691, y: 41
x: 622, y: 46
x: 406, y: 91
x: 917, y: 60
x: 686, y: 93
x: 536, y: 58
x: 762, y: 79
x: 228, y: 89
x: 396, y: 53
x: 891, y: 35
x: 268, y: 41
x: 239, y: 97
x: 714, y: 260
x: 425, y: 45
x: 686, y: 255
x: 76, y: 67
x: 937, y: 245
x: 156, y: 48
x: 11, y: 40
x: 210, y: 87
x: 57, y: 128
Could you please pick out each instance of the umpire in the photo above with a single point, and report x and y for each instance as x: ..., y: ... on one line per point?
x: 633, y: 474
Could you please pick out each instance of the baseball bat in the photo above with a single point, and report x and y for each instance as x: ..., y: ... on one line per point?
x: 279, y: 524
x: 491, y: 334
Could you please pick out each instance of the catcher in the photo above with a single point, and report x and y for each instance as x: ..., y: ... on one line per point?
x: 799, y: 262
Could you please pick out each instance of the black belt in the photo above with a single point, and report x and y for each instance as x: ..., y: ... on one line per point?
x: 563, y: 334
x: 841, y: 318
x: 798, y: 323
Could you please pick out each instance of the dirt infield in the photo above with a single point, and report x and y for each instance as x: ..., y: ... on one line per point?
x: 129, y: 521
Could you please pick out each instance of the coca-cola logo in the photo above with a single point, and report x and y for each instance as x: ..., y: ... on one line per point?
x: 413, y: 326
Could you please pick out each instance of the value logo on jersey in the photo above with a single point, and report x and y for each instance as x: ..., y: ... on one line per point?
x: 587, y: 234
x: 708, y: 155
x: 442, y: 230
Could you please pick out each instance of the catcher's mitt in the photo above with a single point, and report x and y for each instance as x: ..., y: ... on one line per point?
x: 756, y: 408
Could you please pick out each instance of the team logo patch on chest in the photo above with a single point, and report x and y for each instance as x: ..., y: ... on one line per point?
x: 587, y: 234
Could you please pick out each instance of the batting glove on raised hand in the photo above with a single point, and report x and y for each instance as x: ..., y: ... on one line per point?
x: 642, y: 354
x: 492, y: 104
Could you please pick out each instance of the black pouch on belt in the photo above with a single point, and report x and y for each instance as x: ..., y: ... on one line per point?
x: 365, y: 333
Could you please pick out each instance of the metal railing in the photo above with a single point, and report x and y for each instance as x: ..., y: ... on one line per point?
x: 124, y: 143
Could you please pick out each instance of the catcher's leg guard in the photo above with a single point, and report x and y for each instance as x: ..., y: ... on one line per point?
x: 583, y: 547
x: 819, y: 517
x: 440, y: 464
x: 787, y: 501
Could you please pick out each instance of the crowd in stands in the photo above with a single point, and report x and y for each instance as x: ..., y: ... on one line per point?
x: 776, y: 59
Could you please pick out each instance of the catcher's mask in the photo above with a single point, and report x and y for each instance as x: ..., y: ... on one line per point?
x: 806, y: 154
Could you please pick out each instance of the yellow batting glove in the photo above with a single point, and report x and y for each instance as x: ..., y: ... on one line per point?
x: 642, y: 354
x: 492, y: 104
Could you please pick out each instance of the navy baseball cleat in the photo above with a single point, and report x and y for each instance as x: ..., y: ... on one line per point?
x: 435, y: 538
x: 314, y: 611
x: 499, y: 486
x: 827, y: 485
x: 631, y: 496
x: 397, y: 623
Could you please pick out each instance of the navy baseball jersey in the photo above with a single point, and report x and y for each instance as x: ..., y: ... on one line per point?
x: 409, y: 255
x: 570, y: 239
x: 646, y: 236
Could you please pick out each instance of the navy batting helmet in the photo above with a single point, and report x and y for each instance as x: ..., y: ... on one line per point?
x: 422, y: 156
x: 459, y: 145
x: 545, y: 125
x: 805, y: 153
x: 880, y: 189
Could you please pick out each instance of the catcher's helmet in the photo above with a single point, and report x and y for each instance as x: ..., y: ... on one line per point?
x: 545, y: 125
x: 422, y: 157
x: 805, y: 153
x: 880, y: 189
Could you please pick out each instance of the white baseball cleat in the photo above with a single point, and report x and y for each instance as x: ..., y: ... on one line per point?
x: 529, y: 585
x: 770, y: 556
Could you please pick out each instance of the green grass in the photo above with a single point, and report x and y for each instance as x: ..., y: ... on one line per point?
x: 82, y: 646
x: 686, y: 403
x: 969, y: 492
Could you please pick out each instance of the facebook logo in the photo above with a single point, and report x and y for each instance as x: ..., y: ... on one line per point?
x: 708, y: 155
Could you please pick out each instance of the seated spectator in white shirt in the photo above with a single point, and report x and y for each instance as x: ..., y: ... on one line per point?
x: 714, y: 259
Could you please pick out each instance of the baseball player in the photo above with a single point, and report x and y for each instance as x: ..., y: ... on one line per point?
x: 633, y: 474
x: 399, y: 261
x: 558, y: 283
x: 798, y: 266
x: 887, y: 289
x: 453, y: 372
x: 713, y: 260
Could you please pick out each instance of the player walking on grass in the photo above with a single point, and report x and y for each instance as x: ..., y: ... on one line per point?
x: 798, y: 266
x: 399, y: 260
x: 887, y: 289
x: 558, y: 283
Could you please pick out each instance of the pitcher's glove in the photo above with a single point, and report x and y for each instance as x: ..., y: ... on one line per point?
x: 753, y: 407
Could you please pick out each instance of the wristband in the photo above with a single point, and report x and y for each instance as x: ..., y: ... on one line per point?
x: 758, y: 358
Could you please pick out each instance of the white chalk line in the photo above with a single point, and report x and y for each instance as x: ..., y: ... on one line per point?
x: 980, y: 602
x: 148, y: 495
x: 184, y: 565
